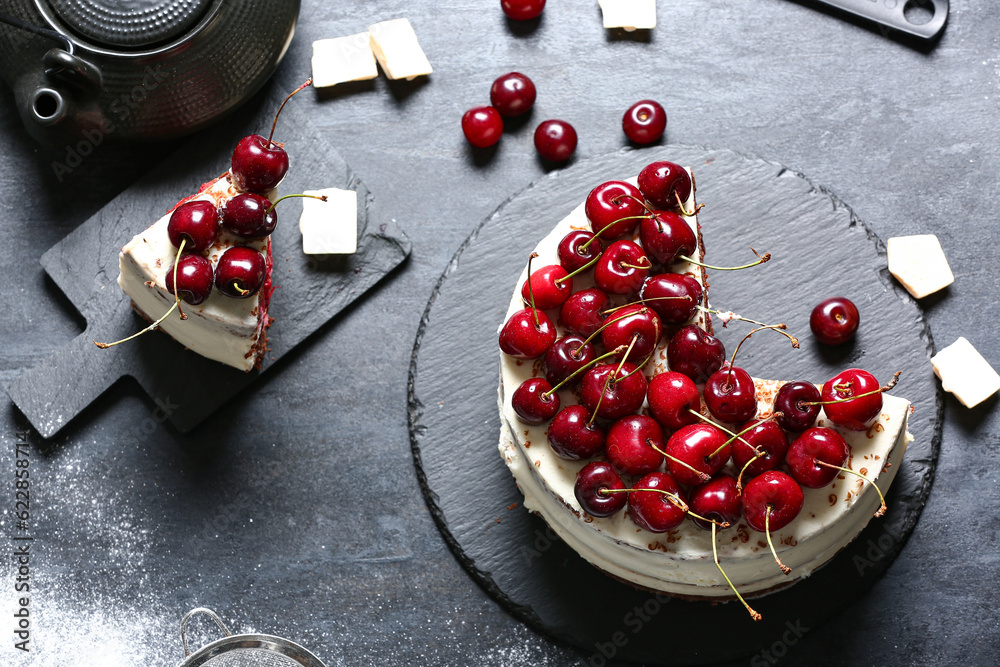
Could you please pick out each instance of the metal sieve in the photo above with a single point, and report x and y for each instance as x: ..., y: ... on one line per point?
x: 250, y: 650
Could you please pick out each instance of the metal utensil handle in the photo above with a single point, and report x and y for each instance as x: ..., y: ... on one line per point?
x: 200, y: 610
x: 891, y: 13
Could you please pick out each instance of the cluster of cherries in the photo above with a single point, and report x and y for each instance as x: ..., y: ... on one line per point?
x: 675, y: 453
x: 258, y: 166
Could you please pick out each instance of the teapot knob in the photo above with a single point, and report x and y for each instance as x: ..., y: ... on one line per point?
x: 72, y: 68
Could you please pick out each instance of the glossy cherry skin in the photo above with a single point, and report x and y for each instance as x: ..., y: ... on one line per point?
x: 632, y: 443
x: 240, y: 272
x: 572, y: 436
x: 632, y: 322
x: 776, y: 490
x: 522, y: 10
x: 194, y: 279
x: 672, y: 296
x: 671, y: 397
x: 531, y: 403
x: 622, y: 268
x: 482, y: 126
x: 621, y: 396
x: 550, y: 286
x: 731, y: 395
x: 609, y: 204
x: 766, y: 436
x: 258, y: 165
x: 834, y: 321
x: 512, y: 94
x: 695, y: 353
x: 717, y: 499
x: 791, y: 401
x: 555, y: 140
x: 816, y: 444
x: 521, y: 338
x: 247, y: 215
x: 857, y: 414
x: 583, y: 312
x: 695, y: 445
x: 590, y: 481
x: 566, y: 356
x: 654, y: 511
x: 662, y: 183
x: 195, y: 221
x: 572, y: 254
x: 644, y: 122
x: 666, y: 237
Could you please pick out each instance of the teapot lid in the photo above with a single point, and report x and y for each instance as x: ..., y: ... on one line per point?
x: 129, y: 24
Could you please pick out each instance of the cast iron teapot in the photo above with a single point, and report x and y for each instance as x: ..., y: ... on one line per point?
x: 86, y: 70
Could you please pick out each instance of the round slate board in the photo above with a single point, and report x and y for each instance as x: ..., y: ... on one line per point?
x: 819, y: 249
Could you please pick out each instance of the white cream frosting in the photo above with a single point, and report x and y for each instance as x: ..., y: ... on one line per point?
x: 221, y: 328
x: 680, y: 562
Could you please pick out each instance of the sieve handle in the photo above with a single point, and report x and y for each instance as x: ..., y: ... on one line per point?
x: 200, y: 610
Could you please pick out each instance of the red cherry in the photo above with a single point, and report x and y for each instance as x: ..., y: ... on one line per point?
x: 258, y: 164
x: 550, y: 285
x: 663, y: 183
x: 671, y: 398
x: 791, y: 401
x: 817, y: 444
x: 512, y: 94
x: 776, y: 490
x: 717, y: 499
x: 566, y: 356
x: 633, y: 322
x: 522, y: 338
x: 522, y: 10
x: 730, y: 395
x: 583, y: 312
x: 194, y: 279
x: 609, y: 204
x: 482, y: 126
x: 555, y: 140
x: 644, y: 122
x: 594, y: 478
x: 573, y: 436
x: 247, y: 215
x: 619, y: 394
x: 765, y: 436
x: 834, y: 321
x: 856, y: 414
x: 572, y: 254
x: 240, y: 272
x: 196, y: 221
x: 695, y: 353
x: 532, y: 403
x: 622, y: 268
x: 666, y: 237
x: 653, y: 511
x: 699, y: 446
x: 672, y: 296
x: 632, y: 443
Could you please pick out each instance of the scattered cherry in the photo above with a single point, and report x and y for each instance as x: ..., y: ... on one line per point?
x: 667, y: 237
x: 672, y: 296
x: 534, y: 401
x: 573, y: 435
x: 797, y: 403
x: 555, y: 140
x: 695, y: 353
x: 730, y: 395
x: 654, y: 511
x: 259, y: 164
x: 699, y: 446
x: 572, y: 253
x: 512, y: 94
x: 717, y: 499
x: 198, y: 222
x: 622, y: 268
x: 619, y: 389
x: 194, y: 279
x: 527, y: 334
x: 632, y: 442
x: 856, y: 414
x: 522, y: 10
x: 815, y: 445
x: 583, y: 312
x: 834, y: 321
x: 633, y: 322
x: 644, y: 122
x: 664, y: 183
x: 482, y: 126
x: 614, y: 209
x: 672, y: 397
x: 566, y: 356
x: 593, y: 478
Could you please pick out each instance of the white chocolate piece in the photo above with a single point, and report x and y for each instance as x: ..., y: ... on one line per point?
x: 919, y: 264
x: 629, y: 14
x: 965, y: 373
x: 395, y: 45
x: 330, y: 227
x: 343, y: 59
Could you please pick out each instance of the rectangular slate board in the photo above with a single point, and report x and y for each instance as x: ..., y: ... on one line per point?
x: 187, y: 387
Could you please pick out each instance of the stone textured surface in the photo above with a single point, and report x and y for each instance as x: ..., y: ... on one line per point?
x: 296, y: 510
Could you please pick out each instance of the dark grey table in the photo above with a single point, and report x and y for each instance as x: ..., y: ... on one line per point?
x: 296, y: 510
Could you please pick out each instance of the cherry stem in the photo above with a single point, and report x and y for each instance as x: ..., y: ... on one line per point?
x: 304, y: 85
x: 569, y: 276
x: 531, y: 293
x: 643, y: 302
x: 780, y: 328
x: 684, y: 211
x: 177, y: 305
x: 761, y: 259
x: 715, y: 554
x: 583, y: 368
x: 624, y: 357
x: 725, y: 430
x: 739, y: 478
x: 702, y: 477
x: 845, y: 387
x: 728, y: 315
x: 587, y: 243
x: 271, y: 207
x: 236, y: 286
x: 640, y: 366
x: 649, y: 265
x: 883, y: 508
x: 607, y: 324
x: 767, y: 530
x: 617, y: 200
x: 674, y: 499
